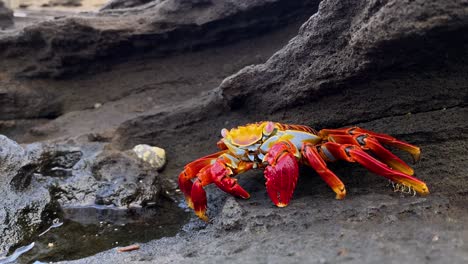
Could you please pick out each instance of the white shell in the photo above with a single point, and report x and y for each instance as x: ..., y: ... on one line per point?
x: 154, y: 156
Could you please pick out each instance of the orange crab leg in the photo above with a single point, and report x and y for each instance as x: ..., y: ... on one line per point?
x: 352, y: 153
x: 313, y: 158
x: 219, y: 173
x: 190, y: 172
x: 366, y: 141
x: 382, y: 138
x: 282, y: 172
x: 198, y: 197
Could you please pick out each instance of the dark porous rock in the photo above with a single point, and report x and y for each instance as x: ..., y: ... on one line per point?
x: 64, y: 3
x: 40, y: 178
x: 125, y: 180
x: 87, y: 174
x: 350, y: 42
x: 19, y: 102
x: 24, y: 199
x: 64, y: 46
x: 6, y: 16
x: 230, y: 216
x: 117, y: 4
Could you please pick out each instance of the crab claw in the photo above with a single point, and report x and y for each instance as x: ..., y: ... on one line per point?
x: 282, y: 173
x: 221, y: 177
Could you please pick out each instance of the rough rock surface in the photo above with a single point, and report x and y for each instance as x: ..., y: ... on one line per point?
x: 24, y: 200
x: 117, y: 4
x: 6, y: 16
x: 39, y: 179
x: 64, y: 3
x: 396, y: 67
x: 68, y: 45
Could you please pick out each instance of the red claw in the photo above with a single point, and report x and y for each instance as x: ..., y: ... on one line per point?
x: 281, y: 175
x: 220, y: 173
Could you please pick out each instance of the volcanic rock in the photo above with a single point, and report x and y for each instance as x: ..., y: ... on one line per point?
x: 6, y: 16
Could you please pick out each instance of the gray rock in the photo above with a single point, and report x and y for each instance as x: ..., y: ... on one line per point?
x: 64, y: 46
x: 73, y: 3
x: 117, y: 4
x: 348, y: 41
x: 39, y: 179
x: 231, y: 215
x: 24, y: 200
x: 6, y: 16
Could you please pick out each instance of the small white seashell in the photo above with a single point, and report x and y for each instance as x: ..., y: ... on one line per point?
x: 154, y: 156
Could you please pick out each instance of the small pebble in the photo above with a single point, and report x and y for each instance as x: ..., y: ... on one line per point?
x: 97, y: 105
x: 50, y: 245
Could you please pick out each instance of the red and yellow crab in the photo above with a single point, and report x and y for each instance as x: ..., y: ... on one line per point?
x: 280, y: 147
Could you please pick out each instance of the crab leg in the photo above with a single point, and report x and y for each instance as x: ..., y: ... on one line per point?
x: 198, y: 197
x: 368, y: 142
x: 313, y: 158
x: 190, y: 172
x: 382, y: 138
x: 220, y: 173
x: 352, y: 153
x: 282, y: 172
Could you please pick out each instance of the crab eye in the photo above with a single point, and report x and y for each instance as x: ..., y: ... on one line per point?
x: 268, y: 129
x: 224, y: 132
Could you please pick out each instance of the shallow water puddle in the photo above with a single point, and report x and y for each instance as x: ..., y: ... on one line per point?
x: 89, y: 230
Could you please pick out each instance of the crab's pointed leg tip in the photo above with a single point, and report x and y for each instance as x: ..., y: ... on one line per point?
x: 424, y: 190
x: 340, y: 196
x: 202, y: 215
x: 281, y: 204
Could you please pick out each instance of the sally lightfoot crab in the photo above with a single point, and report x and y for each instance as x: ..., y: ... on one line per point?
x: 279, y: 148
